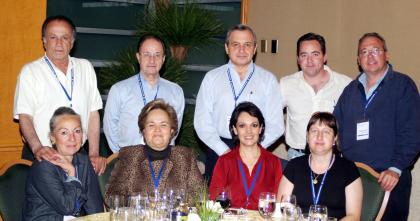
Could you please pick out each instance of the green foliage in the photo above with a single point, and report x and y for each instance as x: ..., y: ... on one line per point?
x: 186, y: 24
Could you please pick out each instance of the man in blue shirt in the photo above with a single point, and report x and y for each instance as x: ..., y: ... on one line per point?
x: 127, y: 98
x: 226, y: 86
x: 379, y: 122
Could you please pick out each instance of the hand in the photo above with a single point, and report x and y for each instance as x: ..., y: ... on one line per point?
x: 388, y: 180
x: 46, y: 153
x: 62, y: 162
x: 98, y: 163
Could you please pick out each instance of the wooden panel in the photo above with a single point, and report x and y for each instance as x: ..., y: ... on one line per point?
x: 20, y: 43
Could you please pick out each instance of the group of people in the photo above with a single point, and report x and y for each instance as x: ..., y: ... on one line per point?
x: 331, y: 122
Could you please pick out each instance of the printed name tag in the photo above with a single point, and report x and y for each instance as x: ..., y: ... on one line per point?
x: 362, y: 130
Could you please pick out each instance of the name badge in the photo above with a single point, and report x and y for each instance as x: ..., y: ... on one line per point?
x: 362, y: 130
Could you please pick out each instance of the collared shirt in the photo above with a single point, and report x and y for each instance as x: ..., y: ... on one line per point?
x: 215, y: 103
x: 362, y: 79
x: 38, y: 93
x: 124, y: 104
x: 301, y: 102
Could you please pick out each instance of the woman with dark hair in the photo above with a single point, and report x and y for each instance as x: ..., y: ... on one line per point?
x: 156, y: 165
x: 322, y: 177
x: 67, y: 185
x: 248, y: 169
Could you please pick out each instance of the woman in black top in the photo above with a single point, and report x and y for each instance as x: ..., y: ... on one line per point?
x: 322, y: 177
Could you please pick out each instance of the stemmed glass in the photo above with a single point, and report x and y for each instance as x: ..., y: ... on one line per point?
x: 266, y: 204
x: 118, y: 207
x: 223, y: 197
x: 318, y: 213
x: 288, y: 207
x: 139, y: 206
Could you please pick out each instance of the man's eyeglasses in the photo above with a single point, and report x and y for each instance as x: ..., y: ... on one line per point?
x: 151, y: 55
x: 374, y: 52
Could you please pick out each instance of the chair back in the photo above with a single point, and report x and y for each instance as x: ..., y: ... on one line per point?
x: 12, y: 189
x: 374, y: 198
x: 103, y: 179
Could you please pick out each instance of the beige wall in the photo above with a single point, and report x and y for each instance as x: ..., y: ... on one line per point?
x: 20, y: 22
x: 341, y: 22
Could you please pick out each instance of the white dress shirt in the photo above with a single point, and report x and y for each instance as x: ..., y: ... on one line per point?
x: 301, y: 102
x: 215, y: 103
x: 125, y: 102
x: 38, y: 93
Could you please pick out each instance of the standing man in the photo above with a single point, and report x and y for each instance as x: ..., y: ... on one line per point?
x: 127, y: 98
x: 315, y: 88
x: 53, y: 81
x: 225, y: 87
x: 379, y: 120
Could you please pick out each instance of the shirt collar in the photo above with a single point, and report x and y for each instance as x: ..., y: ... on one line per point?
x: 362, y: 80
x: 231, y: 67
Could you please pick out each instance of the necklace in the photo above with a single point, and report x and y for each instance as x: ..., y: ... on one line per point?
x: 315, y: 178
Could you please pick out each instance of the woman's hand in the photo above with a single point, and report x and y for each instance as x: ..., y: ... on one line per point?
x: 62, y: 162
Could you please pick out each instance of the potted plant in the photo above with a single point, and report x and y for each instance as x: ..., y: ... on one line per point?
x: 181, y: 26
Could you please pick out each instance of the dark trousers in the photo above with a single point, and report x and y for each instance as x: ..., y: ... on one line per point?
x: 399, y: 199
x: 211, y: 158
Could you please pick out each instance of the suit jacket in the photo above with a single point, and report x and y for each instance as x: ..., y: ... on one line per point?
x: 50, y: 194
x: 132, y: 175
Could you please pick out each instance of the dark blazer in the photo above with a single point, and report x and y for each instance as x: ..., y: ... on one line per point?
x: 132, y: 175
x: 50, y: 196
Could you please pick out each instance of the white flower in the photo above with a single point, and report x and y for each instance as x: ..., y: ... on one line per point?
x: 193, y: 217
x: 214, y: 206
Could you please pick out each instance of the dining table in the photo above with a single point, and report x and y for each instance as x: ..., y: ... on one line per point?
x: 251, y: 215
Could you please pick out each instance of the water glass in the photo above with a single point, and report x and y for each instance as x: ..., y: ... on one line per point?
x: 266, y: 204
x: 318, y: 213
x: 118, y: 207
x: 288, y: 207
x: 139, y: 206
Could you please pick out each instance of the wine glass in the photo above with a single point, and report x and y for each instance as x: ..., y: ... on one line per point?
x: 138, y: 207
x: 118, y: 207
x: 288, y: 207
x: 266, y: 204
x: 223, y: 197
x: 318, y: 213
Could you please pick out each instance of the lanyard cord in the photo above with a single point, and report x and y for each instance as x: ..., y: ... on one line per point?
x: 142, y: 91
x: 69, y: 96
x: 236, y: 97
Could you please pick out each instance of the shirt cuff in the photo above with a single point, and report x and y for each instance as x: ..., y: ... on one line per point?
x: 72, y: 178
x: 395, y: 170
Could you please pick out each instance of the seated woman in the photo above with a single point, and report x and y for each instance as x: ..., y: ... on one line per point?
x: 248, y: 169
x: 323, y: 177
x: 66, y: 185
x: 156, y: 165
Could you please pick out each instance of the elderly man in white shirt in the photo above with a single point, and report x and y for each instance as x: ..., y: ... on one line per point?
x: 52, y: 81
x: 226, y: 86
x: 315, y: 88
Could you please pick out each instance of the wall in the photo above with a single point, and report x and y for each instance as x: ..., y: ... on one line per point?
x: 20, y: 43
x: 342, y: 23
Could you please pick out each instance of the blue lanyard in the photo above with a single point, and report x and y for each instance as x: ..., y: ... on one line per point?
x: 236, y: 97
x: 156, y: 180
x: 249, y: 190
x: 69, y: 96
x: 142, y: 91
x: 315, y: 196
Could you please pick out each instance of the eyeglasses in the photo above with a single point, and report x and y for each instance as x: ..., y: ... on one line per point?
x: 324, y: 133
x: 150, y: 55
x: 374, y: 52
